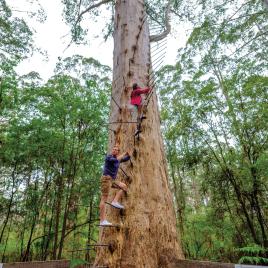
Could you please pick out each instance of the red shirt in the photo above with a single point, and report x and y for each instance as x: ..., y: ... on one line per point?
x: 136, y: 95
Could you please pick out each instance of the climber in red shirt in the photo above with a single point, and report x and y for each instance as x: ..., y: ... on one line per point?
x: 136, y: 99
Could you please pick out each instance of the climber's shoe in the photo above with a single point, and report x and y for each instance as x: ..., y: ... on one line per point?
x: 117, y: 205
x: 137, y: 132
x: 105, y: 223
x: 143, y: 117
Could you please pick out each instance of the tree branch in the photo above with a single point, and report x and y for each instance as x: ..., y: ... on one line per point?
x: 69, y: 230
x: 176, y: 13
x: 90, y: 8
x: 248, y: 42
x: 158, y: 37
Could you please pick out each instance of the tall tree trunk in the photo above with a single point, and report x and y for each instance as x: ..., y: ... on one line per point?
x: 148, y: 236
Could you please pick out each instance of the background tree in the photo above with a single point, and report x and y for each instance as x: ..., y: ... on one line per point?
x: 50, y: 150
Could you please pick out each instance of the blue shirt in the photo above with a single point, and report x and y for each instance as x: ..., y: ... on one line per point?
x: 112, y: 164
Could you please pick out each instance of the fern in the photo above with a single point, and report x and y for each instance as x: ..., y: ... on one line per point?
x: 255, y: 252
x: 254, y: 249
x: 253, y: 260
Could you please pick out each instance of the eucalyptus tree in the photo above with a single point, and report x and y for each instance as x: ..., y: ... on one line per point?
x: 148, y: 235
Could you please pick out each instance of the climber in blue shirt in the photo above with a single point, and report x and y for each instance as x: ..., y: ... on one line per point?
x: 110, y: 170
x: 112, y: 164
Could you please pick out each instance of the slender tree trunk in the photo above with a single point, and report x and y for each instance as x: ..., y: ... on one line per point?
x: 22, y: 239
x: 49, y: 235
x: 36, y: 201
x: 242, y: 202
x: 44, y: 227
x: 65, y: 217
x: 87, y: 254
x: 148, y: 236
x: 47, y: 221
x: 44, y: 214
x: 60, y: 190
x: 177, y: 191
x: 182, y: 200
x: 57, y: 214
x: 7, y: 216
x: 7, y: 237
x: 246, y: 146
x: 73, y: 164
x: 27, y: 252
x: 238, y: 193
x: 10, y: 203
x: 256, y: 206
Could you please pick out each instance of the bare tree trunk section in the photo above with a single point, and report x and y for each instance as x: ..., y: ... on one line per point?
x: 147, y: 236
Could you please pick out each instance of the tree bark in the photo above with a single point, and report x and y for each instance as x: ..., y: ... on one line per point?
x: 148, y: 236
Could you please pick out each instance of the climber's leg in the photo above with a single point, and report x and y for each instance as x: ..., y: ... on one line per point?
x: 133, y: 112
x: 119, y: 195
x: 106, y: 182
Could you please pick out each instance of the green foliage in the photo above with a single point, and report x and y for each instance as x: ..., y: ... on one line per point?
x: 52, y: 160
x: 15, y: 35
x: 206, y: 236
x: 215, y: 125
